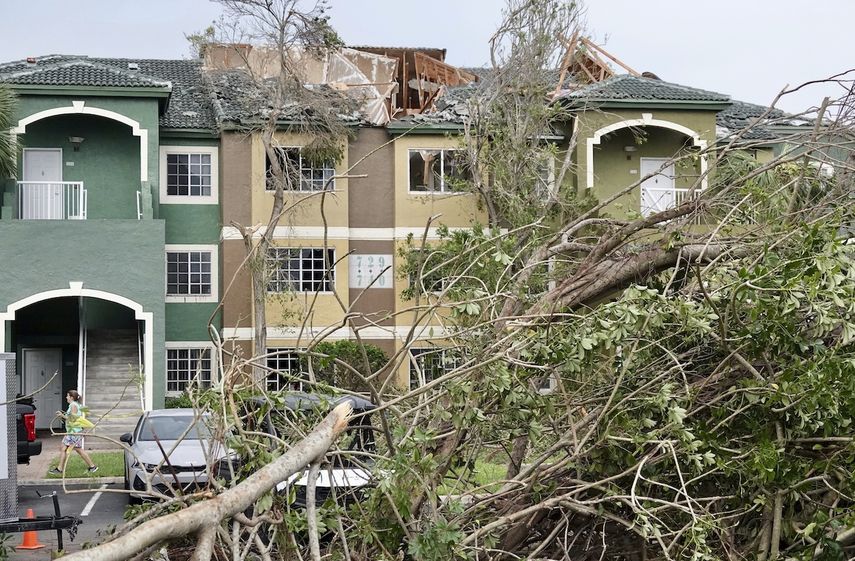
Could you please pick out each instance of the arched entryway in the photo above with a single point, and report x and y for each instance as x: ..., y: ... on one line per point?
x: 95, y: 340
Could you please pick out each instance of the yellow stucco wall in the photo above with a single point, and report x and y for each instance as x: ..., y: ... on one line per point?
x: 292, y: 308
x: 412, y: 210
x: 304, y: 207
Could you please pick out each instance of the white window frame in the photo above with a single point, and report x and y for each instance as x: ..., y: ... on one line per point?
x: 213, y: 249
x: 300, y: 189
x: 272, y: 350
x: 411, y: 372
x: 187, y: 345
x: 332, y: 281
x: 211, y: 199
x: 443, y: 190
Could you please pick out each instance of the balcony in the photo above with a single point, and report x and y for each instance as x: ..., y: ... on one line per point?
x: 657, y: 199
x: 51, y: 200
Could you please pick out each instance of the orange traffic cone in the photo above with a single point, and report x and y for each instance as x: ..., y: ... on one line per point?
x: 31, y: 537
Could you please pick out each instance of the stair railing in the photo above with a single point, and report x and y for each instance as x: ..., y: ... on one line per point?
x: 81, y: 350
x: 140, y: 370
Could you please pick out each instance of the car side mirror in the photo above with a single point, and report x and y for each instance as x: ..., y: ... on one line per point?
x: 127, y: 438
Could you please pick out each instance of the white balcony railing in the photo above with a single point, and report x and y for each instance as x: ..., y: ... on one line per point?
x: 657, y: 199
x: 51, y: 200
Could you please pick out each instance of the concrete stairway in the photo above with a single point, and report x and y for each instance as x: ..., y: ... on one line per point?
x: 112, y: 392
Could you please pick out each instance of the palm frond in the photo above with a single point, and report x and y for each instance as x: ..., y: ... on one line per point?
x: 8, y: 142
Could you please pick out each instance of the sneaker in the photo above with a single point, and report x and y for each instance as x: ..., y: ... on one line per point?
x: 93, y: 469
x: 55, y: 471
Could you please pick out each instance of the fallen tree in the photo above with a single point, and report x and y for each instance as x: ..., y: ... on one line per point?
x: 203, y: 519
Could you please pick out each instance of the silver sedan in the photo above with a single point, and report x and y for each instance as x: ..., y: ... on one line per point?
x: 172, y: 451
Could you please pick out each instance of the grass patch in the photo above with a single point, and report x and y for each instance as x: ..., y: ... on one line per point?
x: 110, y: 464
x: 485, y: 476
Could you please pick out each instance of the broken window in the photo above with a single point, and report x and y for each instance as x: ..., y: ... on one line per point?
x: 438, y: 171
x: 299, y: 173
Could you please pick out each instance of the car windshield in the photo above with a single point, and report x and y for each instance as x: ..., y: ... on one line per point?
x: 172, y: 427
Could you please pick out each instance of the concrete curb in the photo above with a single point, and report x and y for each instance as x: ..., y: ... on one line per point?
x: 72, y: 481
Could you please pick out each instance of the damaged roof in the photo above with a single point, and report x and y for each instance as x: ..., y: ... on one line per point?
x: 625, y: 88
x: 765, y: 123
x: 189, y: 104
x: 238, y: 101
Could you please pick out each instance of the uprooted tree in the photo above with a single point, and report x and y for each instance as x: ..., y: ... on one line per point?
x: 700, y: 360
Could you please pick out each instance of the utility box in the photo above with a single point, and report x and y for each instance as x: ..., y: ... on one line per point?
x: 9, y: 448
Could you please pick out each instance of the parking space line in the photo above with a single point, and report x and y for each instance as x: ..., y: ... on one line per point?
x: 91, y: 503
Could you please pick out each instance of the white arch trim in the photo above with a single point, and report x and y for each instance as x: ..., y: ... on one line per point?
x: 646, y: 120
x: 76, y: 289
x: 80, y: 108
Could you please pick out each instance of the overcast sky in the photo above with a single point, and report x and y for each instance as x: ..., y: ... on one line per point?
x: 749, y: 49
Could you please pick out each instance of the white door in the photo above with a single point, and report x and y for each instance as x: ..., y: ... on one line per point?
x: 657, y: 192
x: 44, y: 198
x: 39, y: 368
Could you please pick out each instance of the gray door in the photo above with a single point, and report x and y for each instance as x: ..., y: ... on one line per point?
x: 42, y: 192
x: 39, y: 368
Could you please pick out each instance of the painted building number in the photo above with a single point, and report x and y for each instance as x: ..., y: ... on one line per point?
x: 365, y: 268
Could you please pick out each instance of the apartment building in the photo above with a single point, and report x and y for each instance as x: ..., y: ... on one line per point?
x: 122, y: 232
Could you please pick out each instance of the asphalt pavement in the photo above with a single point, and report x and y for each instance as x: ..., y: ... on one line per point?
x: 94, y: 503
x: 90, y: 499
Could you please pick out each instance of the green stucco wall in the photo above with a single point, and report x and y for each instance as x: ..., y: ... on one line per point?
x: 108, y: 161
x: 121, y: 257
x: 191, y: 224
x: 144, y: 111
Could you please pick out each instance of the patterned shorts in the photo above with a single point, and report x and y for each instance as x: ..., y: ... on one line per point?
x: 75, y: 441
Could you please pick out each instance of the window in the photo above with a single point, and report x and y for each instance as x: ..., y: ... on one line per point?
x: 188, y: 174
x: 191, y: 273
x: 188, y: 272
x: 437, y: 171
x: 300, y: 269
x: 429, y: 363
x: 283, y: 366
x: 185, y: 366
x: 304, y: 175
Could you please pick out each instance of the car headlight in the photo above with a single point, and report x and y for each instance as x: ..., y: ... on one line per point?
x: 149, y: 467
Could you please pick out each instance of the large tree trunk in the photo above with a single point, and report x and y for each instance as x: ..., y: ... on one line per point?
x: 203, y: 517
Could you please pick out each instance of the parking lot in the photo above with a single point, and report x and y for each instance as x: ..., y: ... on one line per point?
x: 98, y: 507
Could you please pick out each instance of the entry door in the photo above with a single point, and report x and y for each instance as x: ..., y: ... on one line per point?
x: 657, y: 192
x: 44, y: 198
x: 39, y: 366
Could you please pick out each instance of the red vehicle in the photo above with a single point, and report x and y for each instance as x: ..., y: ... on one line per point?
x: 25, y: 419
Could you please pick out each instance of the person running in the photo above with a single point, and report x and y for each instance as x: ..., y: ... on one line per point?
x: 74, y: 439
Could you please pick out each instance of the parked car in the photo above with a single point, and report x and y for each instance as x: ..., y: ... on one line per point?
x: 174, y: 449
x: 25, y: 419
x: 349, y: 473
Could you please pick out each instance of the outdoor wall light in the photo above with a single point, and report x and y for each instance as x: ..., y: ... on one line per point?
x: 629, y: 150
x: 76, y: 141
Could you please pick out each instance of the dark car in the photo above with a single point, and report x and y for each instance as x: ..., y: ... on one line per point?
x: 25, y: 419
x: 349, y: 474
